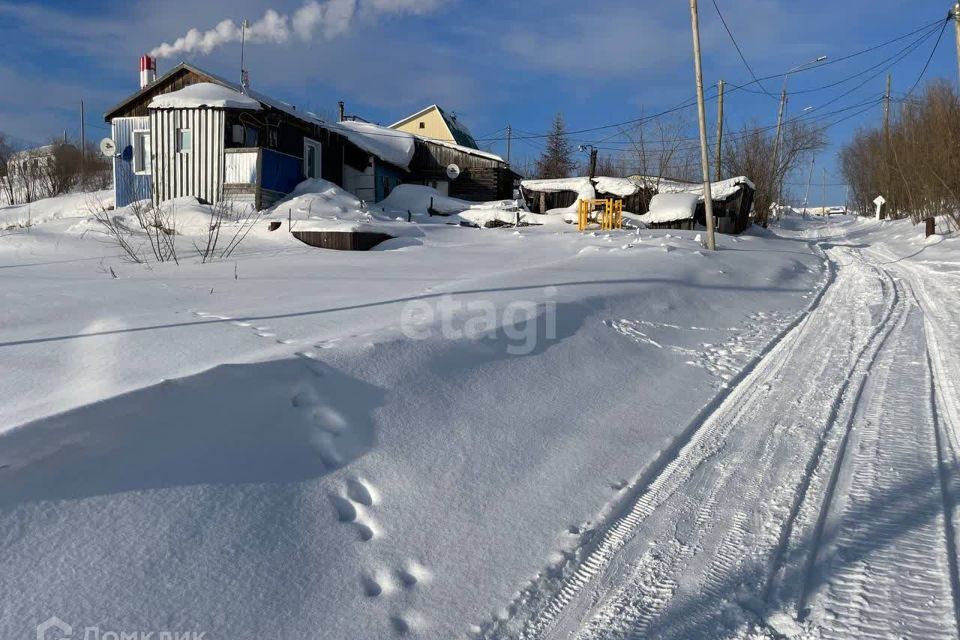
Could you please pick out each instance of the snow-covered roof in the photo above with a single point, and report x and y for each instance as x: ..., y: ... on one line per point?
x: 468, y: 150
x: 718, y: 190
x: 204, y: 94
x: 554, y: 185
x: 390, y: 145
x: 670, y: 207
x: 621, y: 187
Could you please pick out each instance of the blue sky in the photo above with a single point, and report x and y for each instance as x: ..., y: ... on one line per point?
x: 494, y: 63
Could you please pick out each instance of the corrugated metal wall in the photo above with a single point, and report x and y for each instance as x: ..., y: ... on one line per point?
x: 128, y: 186
x: 198, y: 173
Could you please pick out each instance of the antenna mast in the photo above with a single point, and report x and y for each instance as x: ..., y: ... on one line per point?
x: 244, y: 77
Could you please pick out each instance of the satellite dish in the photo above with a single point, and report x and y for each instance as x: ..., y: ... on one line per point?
x: 108, y: 147
x: 453, y: 171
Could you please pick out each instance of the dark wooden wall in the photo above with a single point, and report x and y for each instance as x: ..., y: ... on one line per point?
x: 481, y: 179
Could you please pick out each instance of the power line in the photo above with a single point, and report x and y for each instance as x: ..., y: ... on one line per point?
x: 691, y: 101
x: 739, y: 51
x: 933, y: 51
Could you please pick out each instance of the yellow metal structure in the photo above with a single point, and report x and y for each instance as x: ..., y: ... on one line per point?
x: 607, y: 212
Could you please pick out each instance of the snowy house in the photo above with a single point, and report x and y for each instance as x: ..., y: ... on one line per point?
x: 192, y: 133
x: 732, y: 199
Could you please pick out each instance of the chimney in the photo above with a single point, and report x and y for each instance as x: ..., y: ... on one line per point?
x: 148, y: 71
x: 341, y: 107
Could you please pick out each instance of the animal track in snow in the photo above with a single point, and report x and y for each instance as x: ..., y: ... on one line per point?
x: 352, y: 505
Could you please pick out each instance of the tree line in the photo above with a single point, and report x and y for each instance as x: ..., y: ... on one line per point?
x: 913, y: 162
x: 27, y: 175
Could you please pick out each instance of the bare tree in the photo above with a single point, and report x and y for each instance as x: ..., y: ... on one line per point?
x: 750, y: 152
x: 916, y: 167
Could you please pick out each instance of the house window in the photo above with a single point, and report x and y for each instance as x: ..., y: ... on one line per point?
x: 245, y: 135
x: 423, y: 125
x: 141, y: 152
x: 311, y: 158
x: 184, y: 141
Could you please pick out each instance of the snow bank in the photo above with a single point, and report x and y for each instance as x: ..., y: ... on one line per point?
x: 417, y: 198
x: 390, y: 145
x: 71, y: 205
x: 336, y: 474
x: 669, y: 207
x: 319, y: 205
x: 204, y: 94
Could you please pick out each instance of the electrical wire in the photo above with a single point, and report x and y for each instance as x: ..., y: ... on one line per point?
x: 740, y: 51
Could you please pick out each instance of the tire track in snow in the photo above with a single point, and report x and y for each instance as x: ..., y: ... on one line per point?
x: 889, y: 534
x: 535, y: 610
x: 754, y: 537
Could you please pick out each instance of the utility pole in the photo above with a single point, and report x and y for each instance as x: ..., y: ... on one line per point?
x: 824, y: 209
x: 775, y: 181
x: 719, y: 130
x: 509, y: 141
x: 886, y: 107
x: 956, y: 21
x: 83, y: 149
x: 806, y: 198
x: 702, y: 116
x: 593, y: 162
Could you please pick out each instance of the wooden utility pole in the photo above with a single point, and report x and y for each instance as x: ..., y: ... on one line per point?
x: 716, y: 169
x: 886, y: 108
x: 824, y: 202
x: 83, y: 149
x: 509, y: 140
x: 593, y: 162
x: 806, y: 197
x: 702, y: 116
x: 775, y: 181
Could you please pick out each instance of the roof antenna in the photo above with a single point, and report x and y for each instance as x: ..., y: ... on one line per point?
x: 244, y: 76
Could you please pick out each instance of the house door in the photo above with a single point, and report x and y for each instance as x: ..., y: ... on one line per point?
x: 311, y: 158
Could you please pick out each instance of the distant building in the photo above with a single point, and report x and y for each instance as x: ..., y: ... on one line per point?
x: 192, y: 133
x: 433, y: 123
x: 32, y: 161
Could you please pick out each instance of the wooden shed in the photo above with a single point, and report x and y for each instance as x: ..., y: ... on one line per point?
x: 483, y: 176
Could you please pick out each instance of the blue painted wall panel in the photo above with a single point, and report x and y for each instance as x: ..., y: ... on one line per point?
x: 280, y: 172
x: 393, y: 175
x: 128, y: 186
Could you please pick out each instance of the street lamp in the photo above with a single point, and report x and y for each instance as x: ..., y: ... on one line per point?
x: 780, y: 114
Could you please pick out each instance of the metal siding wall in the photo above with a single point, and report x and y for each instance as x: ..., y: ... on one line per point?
x: 128, y: 186
x: 198, y: 173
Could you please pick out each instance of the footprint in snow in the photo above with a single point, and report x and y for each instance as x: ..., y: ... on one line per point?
x: 351, y: 506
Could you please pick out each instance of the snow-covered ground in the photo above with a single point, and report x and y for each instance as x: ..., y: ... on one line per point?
x: 469, y: 432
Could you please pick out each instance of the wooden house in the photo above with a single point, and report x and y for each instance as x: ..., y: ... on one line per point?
x: 192, y: 133
x: 434, y: 123
x: 732, y: 199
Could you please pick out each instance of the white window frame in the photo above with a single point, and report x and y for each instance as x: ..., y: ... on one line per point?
x: 307, y: 144
x: 181, y: 147
x: 138, y: 136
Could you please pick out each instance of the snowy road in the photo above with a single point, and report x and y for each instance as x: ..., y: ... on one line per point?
x: 816, y: 500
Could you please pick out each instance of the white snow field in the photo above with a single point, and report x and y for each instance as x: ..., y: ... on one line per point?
x: 491, y: 433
